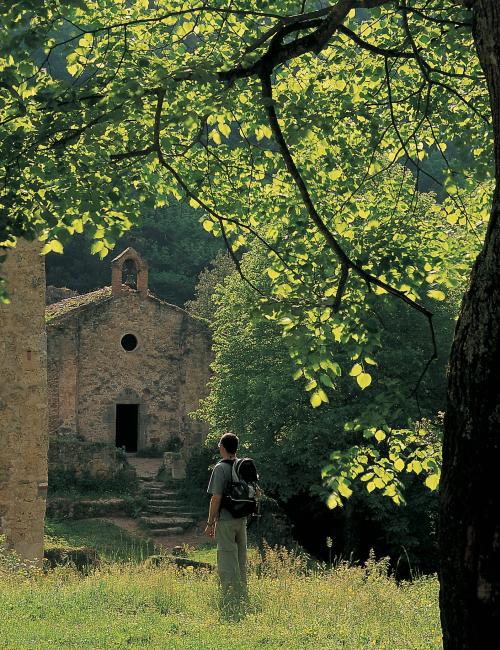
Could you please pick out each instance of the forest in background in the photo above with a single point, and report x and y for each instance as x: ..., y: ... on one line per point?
x: 169, y: 239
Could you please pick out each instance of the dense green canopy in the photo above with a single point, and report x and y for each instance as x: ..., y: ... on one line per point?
x: 307, y: 131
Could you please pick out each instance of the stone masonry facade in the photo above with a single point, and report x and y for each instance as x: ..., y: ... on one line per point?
x: 92, y: 375
x: 23, y: 401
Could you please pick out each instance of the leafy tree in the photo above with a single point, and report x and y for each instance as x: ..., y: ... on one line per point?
x: 285, y: 111
x: 252, y: 392
x: 169, y: 238
x: 211, y: 277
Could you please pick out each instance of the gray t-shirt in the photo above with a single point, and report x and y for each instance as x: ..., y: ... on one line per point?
x: 219, y: 479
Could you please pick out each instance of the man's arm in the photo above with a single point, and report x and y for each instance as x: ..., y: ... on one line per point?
x: 213, y: 511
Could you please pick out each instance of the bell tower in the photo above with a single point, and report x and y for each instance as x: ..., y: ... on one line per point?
x: 131, y: 270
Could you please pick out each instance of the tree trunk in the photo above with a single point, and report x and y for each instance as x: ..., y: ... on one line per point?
x: 470, y: 484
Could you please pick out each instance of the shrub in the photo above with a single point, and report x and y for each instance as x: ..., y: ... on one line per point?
x: 70, y: 483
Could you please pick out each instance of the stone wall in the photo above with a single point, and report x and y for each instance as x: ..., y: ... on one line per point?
x: 68, y: 455
x: 196, y: 354
x: 90, y: 372
x: 60, y: 508
x: 23, y: 401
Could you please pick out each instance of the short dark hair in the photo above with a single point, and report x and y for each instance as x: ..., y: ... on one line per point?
x: 230, y: 442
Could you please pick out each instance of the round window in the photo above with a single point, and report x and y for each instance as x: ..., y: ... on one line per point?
x: 129, y: 342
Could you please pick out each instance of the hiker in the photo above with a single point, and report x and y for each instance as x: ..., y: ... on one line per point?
x: 230, y: 532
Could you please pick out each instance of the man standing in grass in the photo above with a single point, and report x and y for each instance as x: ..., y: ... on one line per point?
x: 230, y: 532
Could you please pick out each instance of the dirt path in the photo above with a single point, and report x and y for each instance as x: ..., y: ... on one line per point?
x: 193, y: 537
x: 147, y: 470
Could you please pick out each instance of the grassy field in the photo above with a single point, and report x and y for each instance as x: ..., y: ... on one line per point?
x: 136, y: 605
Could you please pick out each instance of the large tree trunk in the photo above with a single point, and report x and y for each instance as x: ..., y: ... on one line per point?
x: 470, y: 485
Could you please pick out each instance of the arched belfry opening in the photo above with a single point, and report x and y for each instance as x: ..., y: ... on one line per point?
x: 129, y: 274
x: 129, y: 269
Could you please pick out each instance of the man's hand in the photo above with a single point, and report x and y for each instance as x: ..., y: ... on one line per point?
x: 209, y: 530
x: 213, y: 513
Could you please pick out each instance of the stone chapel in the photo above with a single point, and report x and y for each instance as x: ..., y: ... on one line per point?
x: 125, y: 367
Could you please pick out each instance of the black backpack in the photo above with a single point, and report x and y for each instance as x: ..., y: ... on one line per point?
x: 240, y: 497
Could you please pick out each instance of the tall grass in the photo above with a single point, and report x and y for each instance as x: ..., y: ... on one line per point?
x: 137, y: 605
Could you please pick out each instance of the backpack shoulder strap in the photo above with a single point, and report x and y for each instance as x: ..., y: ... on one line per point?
x: 235, y: 463
x: 236, y: 470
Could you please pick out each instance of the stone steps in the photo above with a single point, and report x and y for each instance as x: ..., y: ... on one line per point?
x: 153, y: 507
x: 169, y: 514
x: 157, y: 532
x: 164, y: 512
x: 158, y: 494
x: 158, y: 497
x: 166, y: 522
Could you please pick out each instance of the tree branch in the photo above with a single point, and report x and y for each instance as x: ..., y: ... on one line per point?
x: 334, y: 244
x: 374, y: 48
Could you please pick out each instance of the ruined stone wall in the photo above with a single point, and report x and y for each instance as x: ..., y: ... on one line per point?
x: 71, y: 456
x: 62, y: 374
x: 166, y: 373
x: 195, y: 371
x: 23, y: 401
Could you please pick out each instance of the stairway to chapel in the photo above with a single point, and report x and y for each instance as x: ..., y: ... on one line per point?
x: 165, y: 512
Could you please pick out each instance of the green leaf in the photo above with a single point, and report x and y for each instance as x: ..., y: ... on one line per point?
x: 57, y: 247
x: 225, y: 129
x: 52, y: 246
x: 326, y: 381
x: 344, y: 490
x: 416, y: 466
x: 315, y: 399
x: 97, y: 246
x: 436, y: 295
x: 399, y: 465
x: 432, y: 481
x: 335, y: 174
x: 364, y: 380
x: 356, y: 370
x: 86, y: 40
x: 333, y: 501
x: 323, y: 395
x: 74, y: 69
x: 325, y: 315
x: 78, y: 225
x: 215, y: 136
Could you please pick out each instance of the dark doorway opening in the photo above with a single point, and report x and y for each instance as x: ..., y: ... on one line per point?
x: 127, y: 426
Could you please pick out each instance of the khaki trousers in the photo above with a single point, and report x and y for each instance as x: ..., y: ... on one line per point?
x: 231, y: 538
